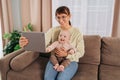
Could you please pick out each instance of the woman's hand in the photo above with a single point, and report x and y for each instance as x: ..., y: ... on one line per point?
x: 61, y: 52
x: 23, y: 41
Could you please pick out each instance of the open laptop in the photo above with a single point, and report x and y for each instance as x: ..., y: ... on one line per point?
x: 36, y: 41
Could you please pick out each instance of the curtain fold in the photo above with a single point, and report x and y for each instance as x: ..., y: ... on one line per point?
x: 46, y: 14
x: 116, y: 23
x: 38, y: 13
x: 1, y: 18
x: 35, y: 10
x: 6, y: 16
x: 1, y: 42
x: 25, y: 13
x: 1, y: 24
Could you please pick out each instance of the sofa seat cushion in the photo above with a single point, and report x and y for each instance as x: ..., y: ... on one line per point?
x: 86, y: 72
x: 33, y: 72
x: 92, y: 50
x: 108, y: 72
x: 110, y: 53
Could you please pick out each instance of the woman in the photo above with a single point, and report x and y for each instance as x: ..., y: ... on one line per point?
x: 63, y: 17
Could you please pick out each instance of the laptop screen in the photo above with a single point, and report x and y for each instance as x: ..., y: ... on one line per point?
x: 36, y: 41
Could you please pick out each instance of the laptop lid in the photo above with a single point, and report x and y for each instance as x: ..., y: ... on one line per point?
x: 36, y: 41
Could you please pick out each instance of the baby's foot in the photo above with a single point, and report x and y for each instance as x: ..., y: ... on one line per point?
x: 60, y: 68
x: 56, y: 66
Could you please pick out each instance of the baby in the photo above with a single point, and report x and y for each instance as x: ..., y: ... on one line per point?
x: 63, y: 42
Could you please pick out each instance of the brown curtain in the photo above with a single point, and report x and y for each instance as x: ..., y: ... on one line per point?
x: 38, y: 12
x: 1, y: 21
x: 0, y: 14
x: 116, y: 20
x: 6, y: 16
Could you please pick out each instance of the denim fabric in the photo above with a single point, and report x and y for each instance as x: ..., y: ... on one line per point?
x: 67, y: 74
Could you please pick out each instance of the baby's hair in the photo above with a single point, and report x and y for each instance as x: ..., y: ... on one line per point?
x: 67, y: 31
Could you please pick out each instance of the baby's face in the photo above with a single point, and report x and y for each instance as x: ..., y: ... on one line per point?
x: 64, y: 37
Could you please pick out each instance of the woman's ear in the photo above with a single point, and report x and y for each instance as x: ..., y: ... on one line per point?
x: 69, y: 16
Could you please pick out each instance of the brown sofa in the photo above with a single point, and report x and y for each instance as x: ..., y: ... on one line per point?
x: 100, y: 62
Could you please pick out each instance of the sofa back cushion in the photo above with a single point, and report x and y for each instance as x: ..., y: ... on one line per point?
x: 110, y: 51
x: 92, y: 49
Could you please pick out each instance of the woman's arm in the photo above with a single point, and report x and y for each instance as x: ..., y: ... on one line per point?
x: 79, y: 47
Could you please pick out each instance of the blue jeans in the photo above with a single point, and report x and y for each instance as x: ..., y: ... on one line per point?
x: 67, y: 74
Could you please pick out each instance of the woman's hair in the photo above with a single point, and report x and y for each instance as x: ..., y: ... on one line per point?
x: 63, y: 10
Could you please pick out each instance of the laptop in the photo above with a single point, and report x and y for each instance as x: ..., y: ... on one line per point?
x: 36, y: 41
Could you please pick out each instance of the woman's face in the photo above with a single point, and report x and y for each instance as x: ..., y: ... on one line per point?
x: 63, y: 19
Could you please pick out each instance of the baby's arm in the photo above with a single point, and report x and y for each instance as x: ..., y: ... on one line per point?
x: 52, y: 46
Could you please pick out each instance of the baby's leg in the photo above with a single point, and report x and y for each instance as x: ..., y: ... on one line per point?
x: 63, y: 65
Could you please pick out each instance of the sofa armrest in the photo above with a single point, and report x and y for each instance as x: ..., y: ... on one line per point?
x: 5, y: 61
x: 23, y: 60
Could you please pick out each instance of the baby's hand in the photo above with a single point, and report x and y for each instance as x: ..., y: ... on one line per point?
x: 60, y: 68
x: 56, y: 66
x: 71, y: 51
x: 48, y: 49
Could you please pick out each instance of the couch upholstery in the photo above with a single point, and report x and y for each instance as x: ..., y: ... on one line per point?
x: 110, y: 57
x: 100, y: 62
